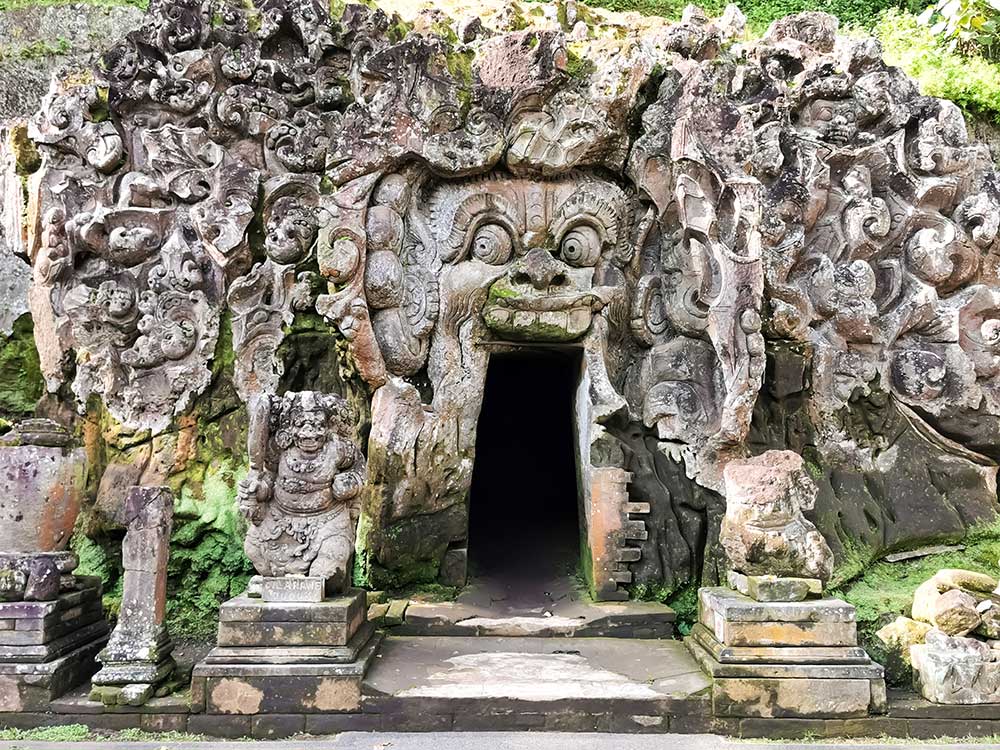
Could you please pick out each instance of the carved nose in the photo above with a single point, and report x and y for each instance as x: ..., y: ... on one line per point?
x: 539, y: 269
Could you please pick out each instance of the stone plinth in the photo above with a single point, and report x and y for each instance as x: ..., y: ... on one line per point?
x: 46, y: 648
x: 784, y: 659
x: 284, y: 657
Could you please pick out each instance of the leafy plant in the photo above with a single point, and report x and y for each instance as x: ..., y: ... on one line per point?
x: 973, y: 82
x: 969, y: 26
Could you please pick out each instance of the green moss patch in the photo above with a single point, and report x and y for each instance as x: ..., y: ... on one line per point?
x: 21, y: 382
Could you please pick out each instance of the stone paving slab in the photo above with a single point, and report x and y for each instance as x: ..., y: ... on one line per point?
x: 547, y: 608
x: 534, y: 669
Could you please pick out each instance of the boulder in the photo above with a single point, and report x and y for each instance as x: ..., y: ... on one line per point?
x: 955, y: 613
x: 900, y: 634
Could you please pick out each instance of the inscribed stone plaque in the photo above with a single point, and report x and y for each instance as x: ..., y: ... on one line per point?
x: 293, y: 589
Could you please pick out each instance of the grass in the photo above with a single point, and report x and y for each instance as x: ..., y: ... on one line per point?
x: 83, y: 733
x: 881, y: 740
x: 6, y: 5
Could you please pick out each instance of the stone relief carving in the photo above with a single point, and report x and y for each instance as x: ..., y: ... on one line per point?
x: 698, y: 221
x: 301, y: 495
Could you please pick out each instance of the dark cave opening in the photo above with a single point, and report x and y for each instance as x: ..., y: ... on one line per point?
x: 524, y: 519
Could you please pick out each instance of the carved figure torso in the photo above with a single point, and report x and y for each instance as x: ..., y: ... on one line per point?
x: 302, y: 502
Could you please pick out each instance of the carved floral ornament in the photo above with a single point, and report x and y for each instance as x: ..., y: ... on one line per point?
x: 667, y: 208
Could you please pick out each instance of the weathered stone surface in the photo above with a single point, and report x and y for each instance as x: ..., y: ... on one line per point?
x: 137, y: 657
x: 257, y: 688
x: 955, y: 613
x: 433, y: 200
x: 301, y: 494
x: 788, y: 698
x: 764, y: 531
x: 902, y: 633
x: 927, y: 595
x: 784, y: 659
x: 947, y: 669
x: 42, y: 483
x: 767, y: 588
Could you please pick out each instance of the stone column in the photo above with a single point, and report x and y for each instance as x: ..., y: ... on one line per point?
x: 51, y: 621
x: 137, y: 659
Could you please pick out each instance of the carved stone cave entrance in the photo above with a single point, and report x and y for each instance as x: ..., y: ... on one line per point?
x: 524, y: 529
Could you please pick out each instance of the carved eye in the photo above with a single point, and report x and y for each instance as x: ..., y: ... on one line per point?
x: 491, y: 244
x: 581, y: 246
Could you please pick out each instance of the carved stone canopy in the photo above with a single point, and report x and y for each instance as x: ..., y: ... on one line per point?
x: 776, y: 244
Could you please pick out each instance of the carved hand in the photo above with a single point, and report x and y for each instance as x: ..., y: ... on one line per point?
x: 251, y: 494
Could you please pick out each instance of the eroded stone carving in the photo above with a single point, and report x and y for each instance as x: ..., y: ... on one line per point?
x: 780, y: 226
x: 764, y: 531
x: 301, y: 496
x: 137, y: 659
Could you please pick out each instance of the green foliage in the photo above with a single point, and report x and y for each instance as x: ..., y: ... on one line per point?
x: 21, y: 382
x: 972, y: 82
x: 6, y: 5
x: 966, y: 25
x: 760, y: 13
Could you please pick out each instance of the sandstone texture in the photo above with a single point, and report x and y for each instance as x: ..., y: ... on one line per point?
x: 775, y: 248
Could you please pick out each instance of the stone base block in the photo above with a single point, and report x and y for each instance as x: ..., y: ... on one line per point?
x: 737, y: 620
x: 293, y: 654
x: 246, y: 622
x: 30, y: 686
x: 775, y: 589
x: 784, y: 659
x: 278, y: 687
x: 42, y: 631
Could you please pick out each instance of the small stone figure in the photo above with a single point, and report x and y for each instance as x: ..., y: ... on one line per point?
x: 301, y: 496
x: 764, y: 531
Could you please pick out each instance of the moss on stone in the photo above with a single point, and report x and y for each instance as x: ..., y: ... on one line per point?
x: 883, y: 590
x: 21, y: 381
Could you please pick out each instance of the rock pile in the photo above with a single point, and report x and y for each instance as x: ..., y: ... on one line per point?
x: 952, y: 639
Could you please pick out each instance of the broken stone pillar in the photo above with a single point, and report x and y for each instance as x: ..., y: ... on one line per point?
x: 137, y: 660
x: 51, y: 622
x: 954, y: 669
x: 298, y: 640
x: 772, y: 651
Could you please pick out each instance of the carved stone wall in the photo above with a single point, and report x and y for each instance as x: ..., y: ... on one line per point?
x: 777, y: 244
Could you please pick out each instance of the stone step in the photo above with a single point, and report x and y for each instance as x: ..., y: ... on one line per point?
x: 574, y: 620
x: 527, y: 679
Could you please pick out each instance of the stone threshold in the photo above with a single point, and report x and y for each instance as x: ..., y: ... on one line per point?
x: 906, y: 719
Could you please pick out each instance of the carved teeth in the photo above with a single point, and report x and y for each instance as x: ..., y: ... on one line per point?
x: 524, y: 319
x: 579, y: 321
x: 555, y: 319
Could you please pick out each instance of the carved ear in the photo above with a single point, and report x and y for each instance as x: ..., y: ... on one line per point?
x: 283, y: 439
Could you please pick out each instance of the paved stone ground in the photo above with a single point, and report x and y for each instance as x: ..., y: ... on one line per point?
x: 479, y: 741
x: 535, y: 606
x: 534, y: 669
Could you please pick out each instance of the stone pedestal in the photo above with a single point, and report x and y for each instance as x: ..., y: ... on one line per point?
x: 784, y: 659
x: 46, y: 648
x: 287, y: 657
